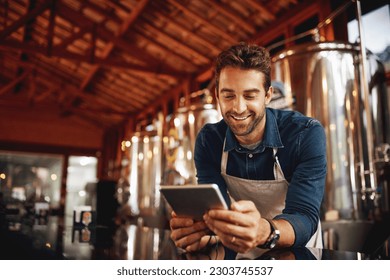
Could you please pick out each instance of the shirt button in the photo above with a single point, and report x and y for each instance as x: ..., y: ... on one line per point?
x: 250, y: 156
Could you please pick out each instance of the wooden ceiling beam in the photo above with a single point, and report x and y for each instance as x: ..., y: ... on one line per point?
x: 95, y: 119
x: 5, y: 13
x: 159, y: 70
x: 64, y: 44
x: 73, y: 91
x: 14, y: 82
x: 222, y: 8
x: 191, y: 33
x: 103, y: 11
x: 164, y: 47
x: 50, y: 31
x: 203, y: 21
x: 23, y: 20
x: 300, y: 12
x: 179, y: 46
x: 142, y: 93
x: 166, y: 95
x: 262, y: 9
x: 69, y: 95
x: 297, y: 13
x: 122, y: 98
x: 102, y: 32
x: 127, y: 23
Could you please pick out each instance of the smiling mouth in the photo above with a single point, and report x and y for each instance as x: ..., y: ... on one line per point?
x: 240, y: 118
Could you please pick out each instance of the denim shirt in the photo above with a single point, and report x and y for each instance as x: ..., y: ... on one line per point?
x: 301, y: 144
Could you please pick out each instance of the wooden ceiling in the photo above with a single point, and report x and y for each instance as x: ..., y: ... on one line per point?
x: 104, y: 62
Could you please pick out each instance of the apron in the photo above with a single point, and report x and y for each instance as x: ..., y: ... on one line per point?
x: 268, y: 195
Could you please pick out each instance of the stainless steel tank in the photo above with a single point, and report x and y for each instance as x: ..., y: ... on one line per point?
x: 155, y: 158
x: 183, y: 127
x: 145, y: 174
x: 323, y: 78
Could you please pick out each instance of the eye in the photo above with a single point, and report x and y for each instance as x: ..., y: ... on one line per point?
x: 228, y: 96
x: 250, y: 96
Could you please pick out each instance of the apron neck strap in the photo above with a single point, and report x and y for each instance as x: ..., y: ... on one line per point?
x: 278, y: 172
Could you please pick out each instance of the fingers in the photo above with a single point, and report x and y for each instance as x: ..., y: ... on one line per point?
x: 181, y: 232
x: 176, y: 223
x: 237, y: 228
x: 185, y: 232
x: 190, y: 242
x: 243, y: 214
x: 199, y: 244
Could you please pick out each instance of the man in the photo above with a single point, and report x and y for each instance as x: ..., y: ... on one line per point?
x: 270, y: 163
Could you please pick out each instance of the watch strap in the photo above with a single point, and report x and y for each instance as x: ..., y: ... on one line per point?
x: 273, y: 236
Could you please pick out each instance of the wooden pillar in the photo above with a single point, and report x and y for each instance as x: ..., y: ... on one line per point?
x: 110, y: 154
x: 327, y: 32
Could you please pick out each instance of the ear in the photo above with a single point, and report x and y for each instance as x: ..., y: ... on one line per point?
x: 268, y: 95
x: 216, y: 94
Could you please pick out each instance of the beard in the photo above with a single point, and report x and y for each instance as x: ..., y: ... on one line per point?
x: 243, y: 127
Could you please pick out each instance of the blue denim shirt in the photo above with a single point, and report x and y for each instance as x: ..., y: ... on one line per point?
x: 301, y: 144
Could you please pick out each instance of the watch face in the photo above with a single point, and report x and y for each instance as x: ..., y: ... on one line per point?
x: 274, y: 239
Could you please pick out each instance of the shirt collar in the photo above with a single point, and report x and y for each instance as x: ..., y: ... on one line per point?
x: 271, y: 137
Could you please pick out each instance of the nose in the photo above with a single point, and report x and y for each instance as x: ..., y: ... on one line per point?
x: 239, y: 105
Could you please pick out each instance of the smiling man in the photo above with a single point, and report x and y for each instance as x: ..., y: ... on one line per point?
x: 271, y: 164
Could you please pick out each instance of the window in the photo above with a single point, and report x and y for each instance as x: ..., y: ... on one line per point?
x: 376, y: 26
x: 27, y: 178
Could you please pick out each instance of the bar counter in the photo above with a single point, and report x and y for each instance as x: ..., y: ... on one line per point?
x: 47, y: 239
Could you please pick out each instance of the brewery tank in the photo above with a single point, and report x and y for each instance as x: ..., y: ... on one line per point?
x: 324, y: 80
x: 162, y: 153
x: 145, y: 174
x: 179, y: 142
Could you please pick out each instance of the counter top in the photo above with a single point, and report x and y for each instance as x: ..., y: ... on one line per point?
x: 47, y: 239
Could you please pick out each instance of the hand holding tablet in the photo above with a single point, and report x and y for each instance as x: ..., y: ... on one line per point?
x: 193, y: 201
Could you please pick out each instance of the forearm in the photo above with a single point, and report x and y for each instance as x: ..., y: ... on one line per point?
x: 287, y: 234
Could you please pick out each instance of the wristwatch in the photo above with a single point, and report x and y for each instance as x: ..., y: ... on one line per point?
x: 272, y: 238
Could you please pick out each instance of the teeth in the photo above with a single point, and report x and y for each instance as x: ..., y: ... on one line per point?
x: 240, y: 119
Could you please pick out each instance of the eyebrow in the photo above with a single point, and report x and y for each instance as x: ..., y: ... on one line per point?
x: 251, y: 90
x: 255, y: 90
x: 226, y: 90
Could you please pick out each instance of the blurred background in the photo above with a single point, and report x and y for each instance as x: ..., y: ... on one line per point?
x: 101, y: 102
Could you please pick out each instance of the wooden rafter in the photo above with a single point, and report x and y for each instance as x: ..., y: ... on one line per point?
x: 262, y: 9
x: 50, y: 31
x: 105, y: 62
x: 24, y: 19
x: 172, y: 21
x: 230, y: 14
x: 14, y: 82
x: 127, y: 23
x: 178, y: 46
x: 75, y: 17
x: 302, y: 10
x: 36, y: 49
x: 203, y: 21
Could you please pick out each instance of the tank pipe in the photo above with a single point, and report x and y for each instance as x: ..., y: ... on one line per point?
x: 366, y: 102
x: 314, y: 31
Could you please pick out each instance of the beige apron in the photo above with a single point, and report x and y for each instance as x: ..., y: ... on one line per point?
x: 268, y: 195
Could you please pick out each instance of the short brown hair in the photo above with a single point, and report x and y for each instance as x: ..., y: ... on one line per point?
x: 245, y: 56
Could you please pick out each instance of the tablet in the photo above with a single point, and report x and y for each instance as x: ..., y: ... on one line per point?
x: 193, y: 201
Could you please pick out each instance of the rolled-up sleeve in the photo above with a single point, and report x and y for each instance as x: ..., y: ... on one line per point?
x: 306, y: 188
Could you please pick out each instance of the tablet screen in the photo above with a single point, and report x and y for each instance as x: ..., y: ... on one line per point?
x: 193, y: 201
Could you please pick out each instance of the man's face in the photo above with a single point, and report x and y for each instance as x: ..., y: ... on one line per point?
x: 242, y: 99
